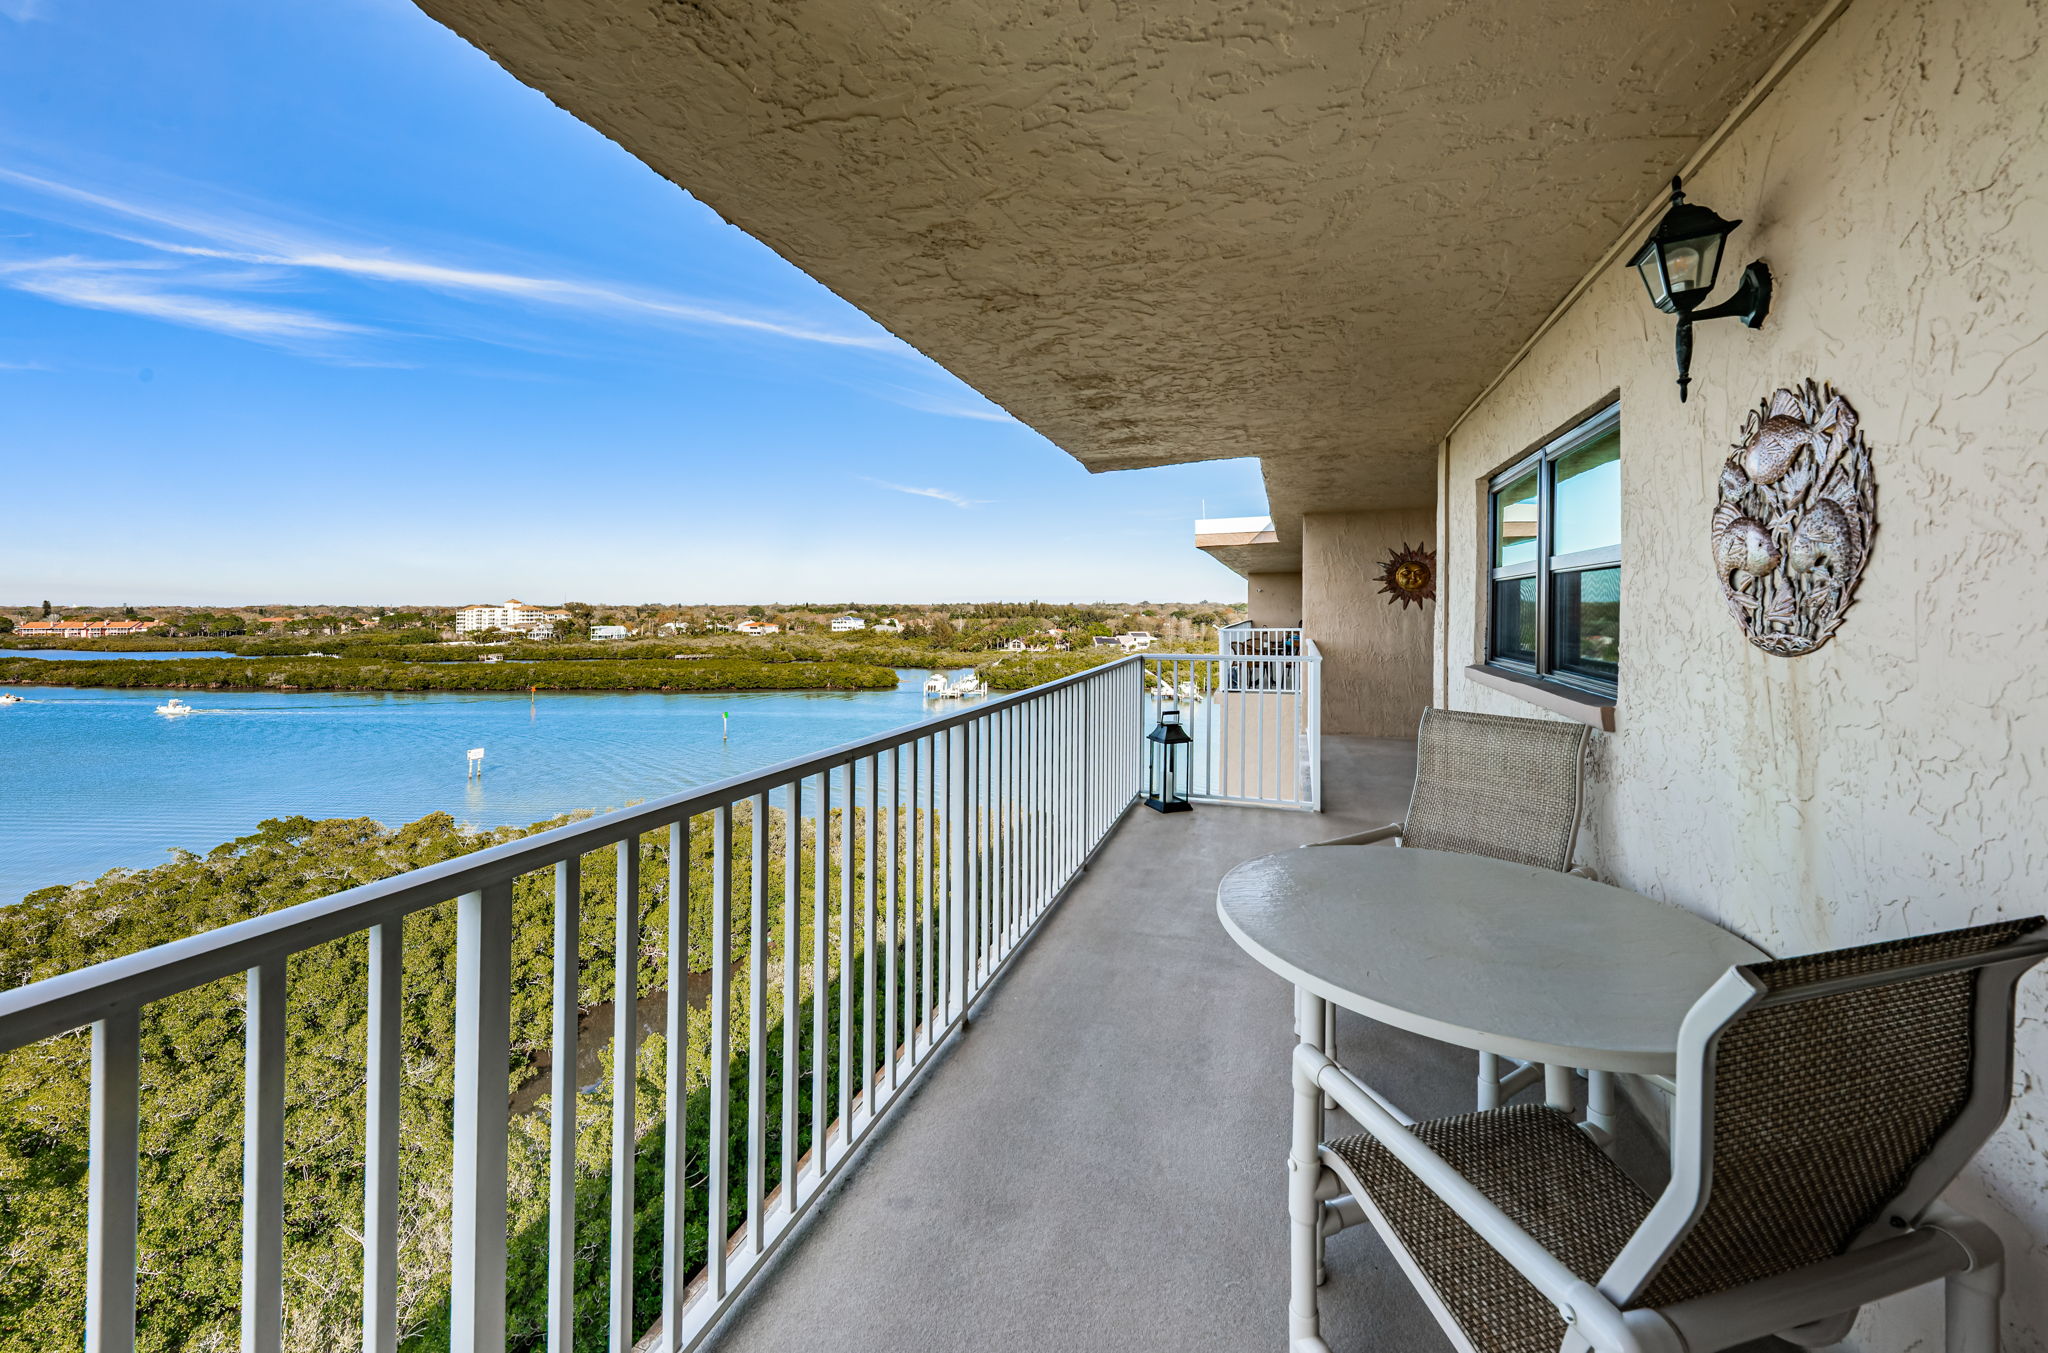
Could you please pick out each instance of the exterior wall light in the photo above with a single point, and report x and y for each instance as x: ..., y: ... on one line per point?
x: 1678, y: 264
x: 1164, y: 793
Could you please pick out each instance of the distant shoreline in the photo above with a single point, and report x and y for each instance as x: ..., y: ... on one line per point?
x: 259, y: 675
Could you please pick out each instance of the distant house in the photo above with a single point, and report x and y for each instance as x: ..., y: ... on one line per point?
x: 1134, y: 641
x: 757, y: 627
x: 609, y: 632
x: 1013, y: 646
x: 83, y: 629
x: 509, y: 617
x: 1108, y: 641
x: 890, y: 626
x: 673, y: 628
x: 841, y: 624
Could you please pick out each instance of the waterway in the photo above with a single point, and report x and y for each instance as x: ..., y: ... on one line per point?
x: 92, y: 780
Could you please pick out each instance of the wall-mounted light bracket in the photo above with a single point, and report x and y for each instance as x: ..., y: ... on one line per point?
x: 1678, y: 264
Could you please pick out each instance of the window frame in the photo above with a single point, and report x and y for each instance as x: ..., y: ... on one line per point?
x: 1546, y: 567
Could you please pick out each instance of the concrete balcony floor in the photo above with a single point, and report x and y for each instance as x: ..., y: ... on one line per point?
x: 1099, y: 1161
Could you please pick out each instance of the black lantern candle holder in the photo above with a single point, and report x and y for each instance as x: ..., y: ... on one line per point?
x: 1164, y: 775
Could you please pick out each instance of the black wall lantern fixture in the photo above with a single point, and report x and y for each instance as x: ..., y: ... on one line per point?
x: 1678, y: 263
x: 1164, y: 777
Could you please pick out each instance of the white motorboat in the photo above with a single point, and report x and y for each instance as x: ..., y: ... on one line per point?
x: 966, y: 686
x: 937, y: 687
x: 9, y: 698
x: 173, y: 707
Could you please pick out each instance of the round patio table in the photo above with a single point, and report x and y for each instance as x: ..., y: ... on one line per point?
x: 1504, y: 958
x: 1551, y: 968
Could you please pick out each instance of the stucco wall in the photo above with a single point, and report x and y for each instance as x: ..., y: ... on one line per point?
x: 1893, y: 782
x: 1375, y: 653
x: 1274, y: 599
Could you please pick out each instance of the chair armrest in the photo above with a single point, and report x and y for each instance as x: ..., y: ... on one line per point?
x: 1390, y: 832
x: 1842, y: 1283
x: 1544, y: 1270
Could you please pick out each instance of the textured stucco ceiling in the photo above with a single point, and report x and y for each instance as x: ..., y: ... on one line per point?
x: 1308, y: 232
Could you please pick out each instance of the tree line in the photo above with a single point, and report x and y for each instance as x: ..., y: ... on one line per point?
x: 188, y: 1293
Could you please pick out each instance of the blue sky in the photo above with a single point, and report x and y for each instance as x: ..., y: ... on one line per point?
x: 313, y: 303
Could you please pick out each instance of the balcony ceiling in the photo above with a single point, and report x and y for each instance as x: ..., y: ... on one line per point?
x: 1309, y: 232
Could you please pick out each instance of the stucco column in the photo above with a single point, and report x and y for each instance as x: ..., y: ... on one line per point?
x: 1376, y: 651
x: 1274, y: 600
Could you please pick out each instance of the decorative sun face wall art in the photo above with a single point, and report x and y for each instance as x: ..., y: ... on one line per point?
x: 1794, y: 524
x: 1408, y: 576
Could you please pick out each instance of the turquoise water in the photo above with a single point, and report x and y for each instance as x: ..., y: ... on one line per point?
x: 92, y: 780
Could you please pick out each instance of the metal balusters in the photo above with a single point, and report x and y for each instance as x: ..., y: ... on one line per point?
x: 929, y: 996
x: 625, y: 1080
x: 792, y: 980
x: 1089, y: 789
x: 952, y: 918
x: 1006, y: 809
x: 821, y: 974
x: 913, y: 913
x: 976, y: 851
x: 563, y: 1090
x: 977, y: 802
x: 1070, y: 807
x: 894, y: 937
x: 483, y: 1035
x: 110, y: 1183
x: 757, y: 1028
x: 263, y: 1162
x: 675, y: 1267
x: 846, y: 959
x: 869, y: 837
x: 718, y: 1163
x: 988, y: 785
x: 380, y: 1138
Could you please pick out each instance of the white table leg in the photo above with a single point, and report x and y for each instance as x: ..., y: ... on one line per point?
x: 1600, y: 1106
x: 1489, y: 1080
x: 1304, y: 1168
x: 1557, y: 1087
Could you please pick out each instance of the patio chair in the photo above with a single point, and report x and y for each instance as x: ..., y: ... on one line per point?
x: 1824, y: 1103
x: 1506, y: 788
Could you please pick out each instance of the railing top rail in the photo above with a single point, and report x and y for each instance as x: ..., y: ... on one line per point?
x: 68, y: 1001
x: 1152, y: 655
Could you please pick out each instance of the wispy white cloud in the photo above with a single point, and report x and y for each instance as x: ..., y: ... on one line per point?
x: 26, y: 366
x: 269, y: 245
x: 98, y: 284
x: 943, y: 495
x: 924, y: 402
x: 21, y: 11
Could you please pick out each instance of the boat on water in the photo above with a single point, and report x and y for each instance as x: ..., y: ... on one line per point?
x: 9, y: 698
x: 938, y: 687
x: 173, y: 707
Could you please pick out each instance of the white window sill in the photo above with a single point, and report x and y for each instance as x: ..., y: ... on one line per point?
x: 1558, y: 699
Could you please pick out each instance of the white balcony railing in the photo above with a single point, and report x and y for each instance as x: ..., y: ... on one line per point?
x: 912, y: 867
x: 1254, y: 709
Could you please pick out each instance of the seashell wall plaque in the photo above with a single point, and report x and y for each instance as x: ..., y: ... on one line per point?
x: 1794, y: 524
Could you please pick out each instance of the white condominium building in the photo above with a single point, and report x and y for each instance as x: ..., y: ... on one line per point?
x: 510, y: 617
